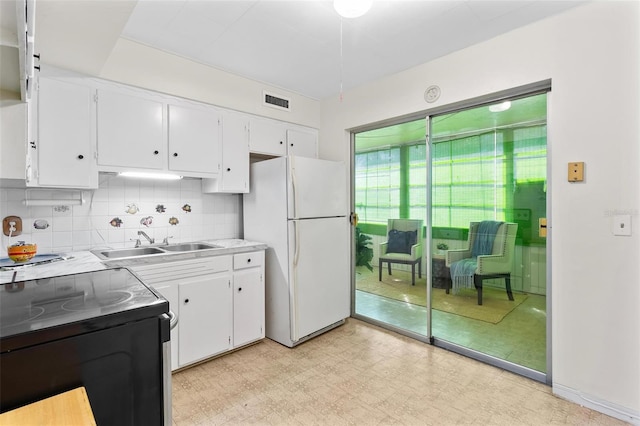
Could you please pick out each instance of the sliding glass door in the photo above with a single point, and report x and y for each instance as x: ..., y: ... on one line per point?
x: 390, y: 194
x: 488, y: 233
x: 420, y: 205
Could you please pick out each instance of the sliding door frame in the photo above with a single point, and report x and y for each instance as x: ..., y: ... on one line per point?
x: 543, y: 86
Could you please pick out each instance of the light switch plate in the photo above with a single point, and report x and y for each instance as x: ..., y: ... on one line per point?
x: 622, y: 225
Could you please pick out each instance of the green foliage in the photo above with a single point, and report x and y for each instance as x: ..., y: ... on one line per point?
x: 364, y: 253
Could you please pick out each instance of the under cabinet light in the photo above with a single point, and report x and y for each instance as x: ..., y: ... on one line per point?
x: 144, y: 175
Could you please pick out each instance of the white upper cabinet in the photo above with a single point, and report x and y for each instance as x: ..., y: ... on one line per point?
x: 194, y: 139
x: 130, y: 132
x: 277, y: 138
x: 267, y: 137
x: 62, y: 154
x: 82, y: 126
x: 234, y: 174
x: 302, y: 142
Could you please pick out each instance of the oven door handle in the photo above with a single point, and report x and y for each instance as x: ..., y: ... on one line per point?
x: 173, y: 320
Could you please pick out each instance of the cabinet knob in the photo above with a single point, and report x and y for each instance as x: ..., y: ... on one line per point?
x: 156, y: 152
x: 249, y: 260
x: 239, y: 289
x: 228, y: 169
x: 291, y: 144
x: 280, y: 142
x: 186, y: 300
x: 175, y: 154
x: 80, y: 157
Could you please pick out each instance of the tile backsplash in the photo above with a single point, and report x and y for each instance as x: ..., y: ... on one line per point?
x: 112, y: 215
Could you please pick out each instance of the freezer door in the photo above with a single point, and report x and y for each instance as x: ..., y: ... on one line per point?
x: 317, y: 188
x: 319, y: 274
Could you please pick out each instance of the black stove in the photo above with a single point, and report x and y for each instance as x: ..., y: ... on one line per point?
x: 88, y: 300
x: 104, y: 330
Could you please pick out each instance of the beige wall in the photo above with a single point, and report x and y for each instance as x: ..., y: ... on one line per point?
x: 591, y: 53
x: 141, y: 66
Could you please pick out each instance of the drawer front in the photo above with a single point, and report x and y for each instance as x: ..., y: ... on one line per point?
x: 248, y: 260
x: 159, y: 273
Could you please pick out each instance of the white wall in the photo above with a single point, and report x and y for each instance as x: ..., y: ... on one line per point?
x: 591, y: 53
x: 13, y: 138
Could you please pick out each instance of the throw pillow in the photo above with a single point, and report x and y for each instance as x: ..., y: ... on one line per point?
x: 401, y: 241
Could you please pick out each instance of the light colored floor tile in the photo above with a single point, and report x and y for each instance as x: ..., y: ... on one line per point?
x: 359, y: 374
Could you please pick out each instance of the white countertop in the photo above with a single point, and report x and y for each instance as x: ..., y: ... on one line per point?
x: 85, y: 261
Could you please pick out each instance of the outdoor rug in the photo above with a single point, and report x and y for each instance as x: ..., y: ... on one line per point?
x: 495, y: 304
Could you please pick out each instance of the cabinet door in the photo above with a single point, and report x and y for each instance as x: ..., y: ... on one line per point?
x: 248, y: 306
x: 267, y: 137
x: 65, y: 143
x: 205, y: 317
x: 170, y: 292
x: 130, y: 131
x: 302, y: 143
x: 194, y: 139
x: 235, y: 153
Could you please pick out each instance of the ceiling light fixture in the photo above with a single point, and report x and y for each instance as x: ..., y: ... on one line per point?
x: 143, y: 175
x: 352, y: 8
x: 500, y: 107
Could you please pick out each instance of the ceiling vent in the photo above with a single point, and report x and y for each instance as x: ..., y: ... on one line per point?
x: 276, y: 101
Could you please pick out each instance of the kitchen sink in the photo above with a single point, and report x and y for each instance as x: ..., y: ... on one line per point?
x: 140, y: 251
x: 189, y: 247
x: 150, y: 250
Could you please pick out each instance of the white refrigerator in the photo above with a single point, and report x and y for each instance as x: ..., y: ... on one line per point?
x: 298, y: 207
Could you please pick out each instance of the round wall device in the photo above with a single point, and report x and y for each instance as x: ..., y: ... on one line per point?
x: 432, y: 94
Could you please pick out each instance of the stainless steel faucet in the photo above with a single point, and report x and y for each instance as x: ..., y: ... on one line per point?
x: 151, y: 240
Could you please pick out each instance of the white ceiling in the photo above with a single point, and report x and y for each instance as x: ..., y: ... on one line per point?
x: 302, y: 46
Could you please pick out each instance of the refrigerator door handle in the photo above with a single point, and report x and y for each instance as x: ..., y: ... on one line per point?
x: 296, y: 241
x: 294, y: 284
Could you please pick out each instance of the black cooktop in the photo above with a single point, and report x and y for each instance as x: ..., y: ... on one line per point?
x: 35, y: 311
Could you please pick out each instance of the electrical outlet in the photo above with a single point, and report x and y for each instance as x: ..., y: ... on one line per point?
x: 12, y: 225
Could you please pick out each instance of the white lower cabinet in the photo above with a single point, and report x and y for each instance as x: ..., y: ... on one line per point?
x: 219, y: 301
x: 205, y: 317
x: 248, y: 297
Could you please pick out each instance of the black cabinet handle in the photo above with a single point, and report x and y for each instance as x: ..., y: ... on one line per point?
x: 280, y: 142
x: 175, y: 154
x: 228, y: 169
x: 239, y: 289
x: 186, y: 300
x: 249, y: 260
x: 156, y: 152
x: 291, y: 144
x: 80, y: 157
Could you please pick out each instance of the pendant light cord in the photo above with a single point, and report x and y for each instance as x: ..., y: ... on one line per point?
x: 341, y: 60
